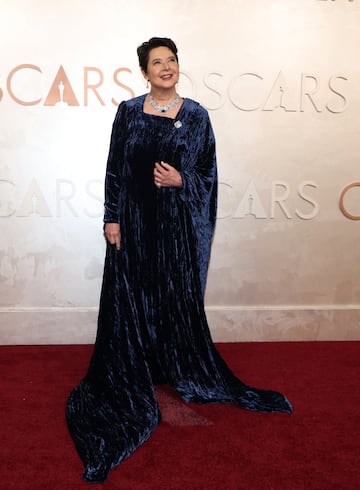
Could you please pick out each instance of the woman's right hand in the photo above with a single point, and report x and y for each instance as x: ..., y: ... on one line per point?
x: 112, y: 234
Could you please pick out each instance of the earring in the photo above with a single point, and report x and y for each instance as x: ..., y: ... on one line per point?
x: 147, y: 83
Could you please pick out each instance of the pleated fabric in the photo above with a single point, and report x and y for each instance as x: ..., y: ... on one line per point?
x: 152, y: 326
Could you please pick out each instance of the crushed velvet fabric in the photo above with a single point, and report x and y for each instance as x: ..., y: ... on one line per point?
x: 152, y: 326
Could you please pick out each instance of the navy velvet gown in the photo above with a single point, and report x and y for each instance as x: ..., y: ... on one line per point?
x: 152, y: 326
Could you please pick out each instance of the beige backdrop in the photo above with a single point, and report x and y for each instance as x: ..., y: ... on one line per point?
x: 280, y: 80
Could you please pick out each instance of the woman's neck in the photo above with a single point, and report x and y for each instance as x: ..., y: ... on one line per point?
x: 163, y: 95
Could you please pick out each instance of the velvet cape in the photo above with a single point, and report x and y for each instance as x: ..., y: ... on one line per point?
x: 152, y: 327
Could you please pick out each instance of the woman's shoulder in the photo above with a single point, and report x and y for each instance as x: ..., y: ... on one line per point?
x: 129, y: 108
x: 134, y: 101
x: 137, y: 101
x: 195, y: 107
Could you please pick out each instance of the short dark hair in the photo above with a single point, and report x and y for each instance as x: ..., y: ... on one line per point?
x: 155, y: 42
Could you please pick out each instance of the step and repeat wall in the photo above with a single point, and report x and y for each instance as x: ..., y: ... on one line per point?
x: 280, y: 80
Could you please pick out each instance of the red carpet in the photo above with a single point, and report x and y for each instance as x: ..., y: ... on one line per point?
x: 196, y: 447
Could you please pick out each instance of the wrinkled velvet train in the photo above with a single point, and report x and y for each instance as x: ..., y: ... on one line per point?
x: 152, y: 326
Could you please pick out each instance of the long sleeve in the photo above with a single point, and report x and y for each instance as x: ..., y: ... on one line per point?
x: 113, y: 168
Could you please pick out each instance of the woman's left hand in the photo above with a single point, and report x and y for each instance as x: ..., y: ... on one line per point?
x: 166, y: 176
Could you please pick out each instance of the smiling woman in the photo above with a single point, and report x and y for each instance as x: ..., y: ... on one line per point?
x: 161, y: 69
x: 160, y: 212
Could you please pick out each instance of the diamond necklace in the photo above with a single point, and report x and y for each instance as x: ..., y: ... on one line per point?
x: 163, y: 108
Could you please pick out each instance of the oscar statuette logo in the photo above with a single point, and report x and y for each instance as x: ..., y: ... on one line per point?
x: 61, y: 92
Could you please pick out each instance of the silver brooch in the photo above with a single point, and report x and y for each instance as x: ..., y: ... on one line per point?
x: 177, y: 124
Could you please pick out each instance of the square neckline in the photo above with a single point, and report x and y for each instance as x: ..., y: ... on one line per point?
x: 159, y: 115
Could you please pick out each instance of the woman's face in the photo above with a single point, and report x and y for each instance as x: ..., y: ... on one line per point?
x: 163, y: 69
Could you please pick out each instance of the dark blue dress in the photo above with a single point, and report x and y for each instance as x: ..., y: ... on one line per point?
x: 152, y: 326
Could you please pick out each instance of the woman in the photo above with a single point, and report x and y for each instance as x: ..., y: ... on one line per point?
x: 160, y: 209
